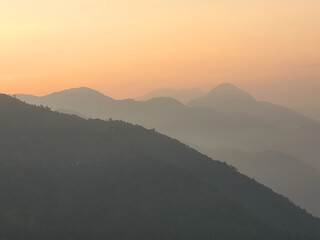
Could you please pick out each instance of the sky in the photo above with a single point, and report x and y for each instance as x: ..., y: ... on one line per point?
x: 125, y: 48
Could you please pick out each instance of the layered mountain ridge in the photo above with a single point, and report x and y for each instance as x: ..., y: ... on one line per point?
x: 64, y: 177
x: 208, y: 128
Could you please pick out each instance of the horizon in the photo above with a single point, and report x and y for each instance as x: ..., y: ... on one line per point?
x: 310, y: 111
x: 288, y: 104
x: 125, y: 49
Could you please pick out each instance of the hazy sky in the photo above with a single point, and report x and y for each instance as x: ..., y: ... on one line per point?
x: 125, y: 48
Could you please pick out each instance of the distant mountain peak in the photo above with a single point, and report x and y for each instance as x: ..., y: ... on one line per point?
x: 165, y: 100
x: 79, y: 92
x: 182, y: 95
x: 226, y: 85
x: 229, y: 91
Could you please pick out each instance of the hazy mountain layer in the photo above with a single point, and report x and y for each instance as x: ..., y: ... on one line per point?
x: 83, y: 101
x: 209, y: 129
x: 281, y: 172
x: 182, y: 95
x: 228, y: 98
x: 204, y: 127
x: 63, y: 177
x: 310, y: 111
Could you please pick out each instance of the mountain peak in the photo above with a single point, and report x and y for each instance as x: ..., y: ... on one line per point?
x: 225, y: 97
x: 79, y: 91
x: 81, y: 95
x: 166, y: 100
x: 182, y: 95
x: 226, y: 85
x: 228, y: 91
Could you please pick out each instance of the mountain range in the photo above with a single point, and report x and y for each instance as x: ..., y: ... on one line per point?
x: 64, y: 177
x: 259, y: 127
x: 228, y: 98
x: 262, y: 127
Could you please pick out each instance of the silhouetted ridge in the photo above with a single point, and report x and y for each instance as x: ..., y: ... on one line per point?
x: 247, y: 126
x: 283, y: 173
x: 63, y: 177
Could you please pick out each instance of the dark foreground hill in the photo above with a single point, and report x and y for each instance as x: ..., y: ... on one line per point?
x: 63, y: 177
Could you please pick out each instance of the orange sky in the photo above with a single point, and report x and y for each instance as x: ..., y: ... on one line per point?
x: 124, y: 48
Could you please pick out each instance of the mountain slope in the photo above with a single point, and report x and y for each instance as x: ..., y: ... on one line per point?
x: 310, y: 111
x: 228, y: 98
x: 63, y: 177
x: 281, y: 172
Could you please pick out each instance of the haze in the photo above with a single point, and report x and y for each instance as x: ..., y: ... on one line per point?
x: 127, y: 48
x: 158, y: 119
